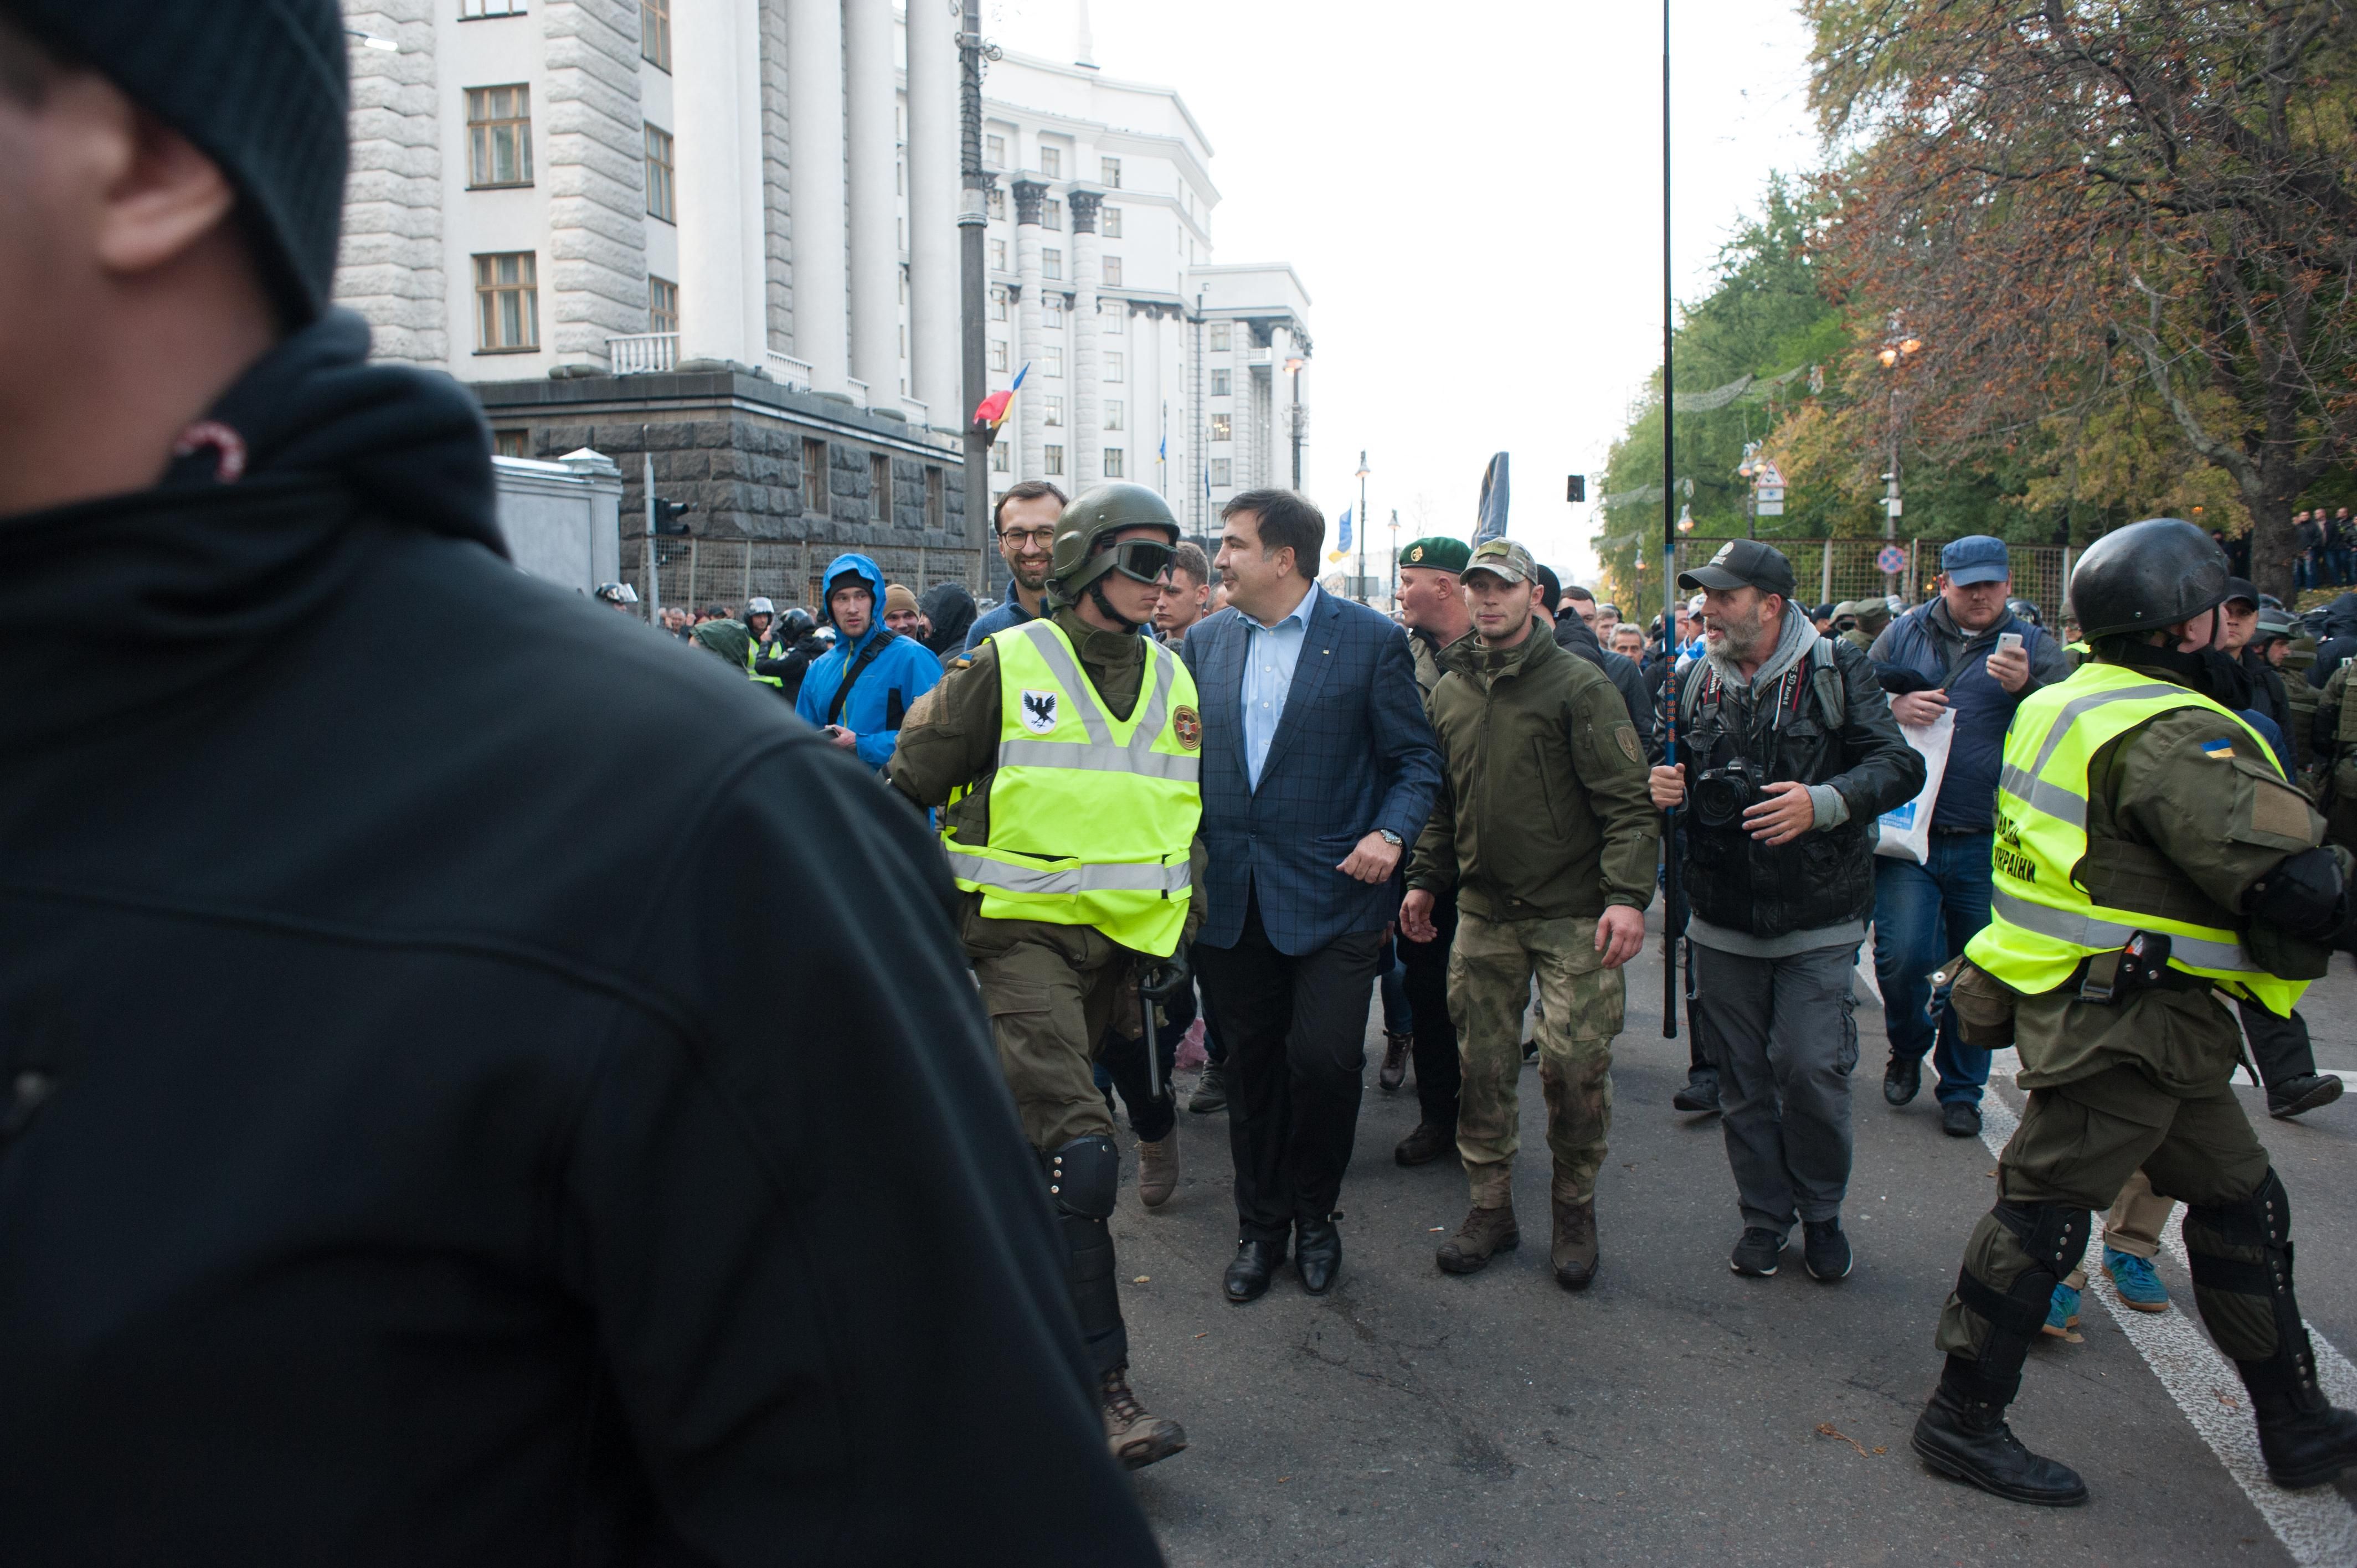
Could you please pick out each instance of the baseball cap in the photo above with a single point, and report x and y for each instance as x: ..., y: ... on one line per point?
x: 1440, y: 552
x: 2239, y: 588
x: 1743, y: 564
x: 1976, y: 558
x: 1503, y: 558
x: 1550, y: 586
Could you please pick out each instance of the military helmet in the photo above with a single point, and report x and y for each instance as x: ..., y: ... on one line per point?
x: 1096, y: 515
x: 2145, y: 576
x: 2275, y: 623
x: 2025, y: 610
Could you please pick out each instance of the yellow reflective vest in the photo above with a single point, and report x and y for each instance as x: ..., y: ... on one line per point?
x: 1091, y: 817
x: 2043, y: 922
x: 752, y: 653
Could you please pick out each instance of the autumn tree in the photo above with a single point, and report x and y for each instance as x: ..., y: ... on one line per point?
x: 2046, y: 192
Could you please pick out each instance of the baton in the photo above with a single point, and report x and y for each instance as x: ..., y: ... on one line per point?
x: 1153, y: 1046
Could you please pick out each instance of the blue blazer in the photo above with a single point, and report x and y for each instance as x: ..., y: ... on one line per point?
x: 1354, y: 752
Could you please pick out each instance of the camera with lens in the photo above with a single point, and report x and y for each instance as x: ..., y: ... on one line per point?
x: 1722, y: 794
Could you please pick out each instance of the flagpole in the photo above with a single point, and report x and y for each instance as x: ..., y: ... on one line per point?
x: 1671, y: 880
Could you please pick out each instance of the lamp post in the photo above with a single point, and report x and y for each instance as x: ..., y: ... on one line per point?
x: 1362, y: 583
x: 1293, y: 363
x: 1394, y: 560
x: 973, y: 219
x: 1891, y: 355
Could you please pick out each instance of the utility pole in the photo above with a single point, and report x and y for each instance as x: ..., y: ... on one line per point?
x: 973, y: 218
x: 1669, y: 577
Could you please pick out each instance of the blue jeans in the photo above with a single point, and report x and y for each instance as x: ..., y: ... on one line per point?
x: 1923, y: 916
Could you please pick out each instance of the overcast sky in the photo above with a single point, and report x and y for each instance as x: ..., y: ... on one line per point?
x: 1471, y: 194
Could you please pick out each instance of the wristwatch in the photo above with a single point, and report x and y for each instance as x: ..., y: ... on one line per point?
x: 1390, y: 837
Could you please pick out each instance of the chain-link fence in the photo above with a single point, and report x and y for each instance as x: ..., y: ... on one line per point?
x: 698, y: 572
x: 1831, y: 570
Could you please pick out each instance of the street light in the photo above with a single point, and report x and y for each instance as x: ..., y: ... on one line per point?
x: 1362, y: 583
x: 1890, y: 355
x: 1293, y: 363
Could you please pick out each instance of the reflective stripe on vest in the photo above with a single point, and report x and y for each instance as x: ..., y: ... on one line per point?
x: 2042, y: 922
x: 1091, y: 817
x: 753, y: 651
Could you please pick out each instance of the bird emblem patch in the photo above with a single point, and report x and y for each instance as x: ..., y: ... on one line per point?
x: 1039, y: 712
x: 1188, y: 725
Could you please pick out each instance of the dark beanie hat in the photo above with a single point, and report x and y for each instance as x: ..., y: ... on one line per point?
x: 262, y: 87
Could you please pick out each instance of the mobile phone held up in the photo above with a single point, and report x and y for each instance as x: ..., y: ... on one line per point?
x: 2009, y: 642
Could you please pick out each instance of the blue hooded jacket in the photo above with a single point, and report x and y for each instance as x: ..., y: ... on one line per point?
x: 887, y: 688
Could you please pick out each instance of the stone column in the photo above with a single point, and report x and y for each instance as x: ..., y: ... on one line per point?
x: 871, y: 170
x: 1088, y: 384
x: 391, y: 267
x: 814, y: 169
x: 716, y: 143
x: 592, y: 158
x: 1029, y: 461
x: 936, y: 370
x: 1278, y: 439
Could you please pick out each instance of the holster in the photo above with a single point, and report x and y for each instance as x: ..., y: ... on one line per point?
x: 1984, y: 1004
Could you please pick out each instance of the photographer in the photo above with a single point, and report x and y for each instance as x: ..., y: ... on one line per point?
x: 1789, y: 753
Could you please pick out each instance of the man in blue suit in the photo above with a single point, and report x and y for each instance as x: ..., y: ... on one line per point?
x: 1318, y: 767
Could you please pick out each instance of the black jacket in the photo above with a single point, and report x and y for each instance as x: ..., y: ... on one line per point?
x: 1826, y: 877
x: 422, y: 1140
x: 1572, y: 635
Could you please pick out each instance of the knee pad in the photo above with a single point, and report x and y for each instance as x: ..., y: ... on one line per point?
x: 2055, y: 1238
x: 2262, y: 1220
x: 1083, y: 1176
x: 2247, y: 1332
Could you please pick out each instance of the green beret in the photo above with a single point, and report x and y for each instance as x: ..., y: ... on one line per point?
x: 1439, y: 552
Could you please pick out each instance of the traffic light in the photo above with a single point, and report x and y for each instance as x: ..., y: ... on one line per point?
x: 1576, y: 490
x: 669, y: 516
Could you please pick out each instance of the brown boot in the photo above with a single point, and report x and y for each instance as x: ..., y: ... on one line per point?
x: 1426, y: 1144
x: 1157, y: 1169
x: 1136, y: 1438
x: 1485, y: 1232
x: 1574, y: 1244
x: 1393, y: 1072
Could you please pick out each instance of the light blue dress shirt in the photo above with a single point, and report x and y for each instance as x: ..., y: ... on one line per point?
x: 1270, y: 654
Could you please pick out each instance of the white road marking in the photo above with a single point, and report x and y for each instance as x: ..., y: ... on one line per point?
x: 2316, y: 1526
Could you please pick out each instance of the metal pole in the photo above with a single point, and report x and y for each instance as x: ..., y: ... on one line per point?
x: 1362, y: 583
x: 974, y: 219
x: 1297, y: 429
x: 1396, y: 560
x: 1671, y: 880
x: 654, y: 570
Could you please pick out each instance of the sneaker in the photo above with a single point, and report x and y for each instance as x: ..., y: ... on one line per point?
x: 2133, y: 1278
x: 1960, y: 1119
x: 1701, y: 1093
x: 1756, y: 1252
x: 1902, y: 1079
x: 2062, y: 1312
x: 1824, y: 1250
x: 1211, y: 1091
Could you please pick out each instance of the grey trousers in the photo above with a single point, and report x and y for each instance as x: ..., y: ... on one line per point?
x: 1784, y: 1040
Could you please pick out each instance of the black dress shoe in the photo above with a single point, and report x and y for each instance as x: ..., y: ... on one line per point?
x: 1901, y: 1079
x: 1318, y: 1253
x: 1247, y: 1278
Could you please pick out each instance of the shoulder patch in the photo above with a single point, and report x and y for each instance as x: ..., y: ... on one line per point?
x: 2223, y: 750
x: 962, y: 662
x: 1625, y: 736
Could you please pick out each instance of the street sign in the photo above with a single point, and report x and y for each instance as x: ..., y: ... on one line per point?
x: 1765, y: 473
x: 1889, y: 559
x: 1771, y: 508
x: 1770, y: 492
x: 1892, y: 506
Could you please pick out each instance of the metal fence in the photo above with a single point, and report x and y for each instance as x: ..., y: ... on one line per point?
x: 1831, y: 570
x: 698, y: 572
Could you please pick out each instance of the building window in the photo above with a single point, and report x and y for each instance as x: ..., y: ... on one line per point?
x: 997, y: 303
x: 1219, y: 330
x: 1053, y: 216
x: 1051, y: 163
x: 999, y: 255
x: 663, y: 306
x: 934, y: 506
x: 1112, y: 271
x: 879, y: 487
x: 1112, y: 367
x: 1108, y: 219
x: 1109, y: 173
x: 1055, y: 414
x: 1115, y: 458
x: 1222, y: 426
x: 1052, y: 263
x: 1001, y: 460
x: 511, y: 443
x: 1112, y: 413
x: 498, y: 137
x: 1055, y: 459
x: 476, y: 10
x: 814, y: 476
x: 1223, y: 473
x: 507, y: 300
x: 1055, y: 359
x: 1054, y: 305
x: 997, y: 203
x: 993, y: 156
x: 998, y: 354
x: 654, y: 33
x: 1221, y: 383
x: 1113, y: 316
x: 663, y: 193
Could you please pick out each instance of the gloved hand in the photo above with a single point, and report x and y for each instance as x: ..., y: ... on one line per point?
x: 1164, y: 980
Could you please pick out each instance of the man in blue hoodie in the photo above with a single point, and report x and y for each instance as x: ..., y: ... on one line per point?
x: 860, y: 691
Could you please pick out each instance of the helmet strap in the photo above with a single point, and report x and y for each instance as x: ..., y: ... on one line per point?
x: 1097, y: 593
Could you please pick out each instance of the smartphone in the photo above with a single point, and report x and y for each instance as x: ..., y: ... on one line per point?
x: 2009, y: 642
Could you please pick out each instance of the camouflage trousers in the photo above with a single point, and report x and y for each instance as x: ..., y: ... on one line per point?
x: 1491, y: 966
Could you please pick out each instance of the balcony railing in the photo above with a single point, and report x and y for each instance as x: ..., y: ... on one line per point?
x: 790, y: 371
x: 917, y: 409
x: 643, y: 353
x: 858, y: 391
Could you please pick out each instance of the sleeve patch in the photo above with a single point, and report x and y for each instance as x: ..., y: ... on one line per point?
x: 1625, y: 735
x: 2223, y: 750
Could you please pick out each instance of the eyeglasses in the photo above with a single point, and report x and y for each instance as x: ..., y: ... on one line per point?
x: 1041, y: 537
x: 1143, y: 559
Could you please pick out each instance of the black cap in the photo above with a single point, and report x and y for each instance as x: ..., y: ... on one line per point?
x: 1549, y: 585
x: 1743, y: 564
x: 263, y: 91
x: 2241, y: 588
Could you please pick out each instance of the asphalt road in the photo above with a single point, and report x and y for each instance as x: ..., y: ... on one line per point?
x: 1676, y: 1411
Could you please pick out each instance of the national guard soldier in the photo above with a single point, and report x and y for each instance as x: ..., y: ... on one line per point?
x: 2148, y: 854
x: 1064, y: 752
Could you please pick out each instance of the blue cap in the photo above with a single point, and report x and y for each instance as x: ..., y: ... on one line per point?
x: 1976, y: 558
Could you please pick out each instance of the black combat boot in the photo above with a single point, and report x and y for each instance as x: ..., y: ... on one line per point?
x: 1962, y: 1433
x: 2304, y: 1440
